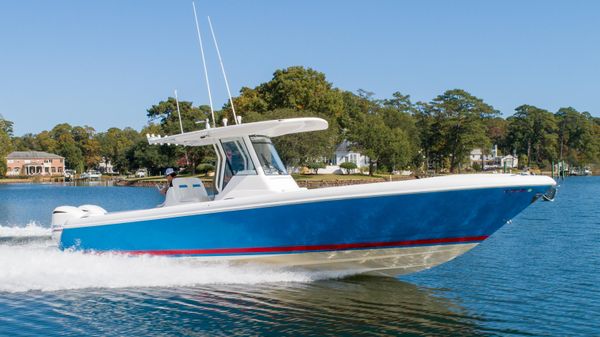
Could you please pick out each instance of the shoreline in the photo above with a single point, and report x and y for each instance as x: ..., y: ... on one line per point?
x: 307, y: 181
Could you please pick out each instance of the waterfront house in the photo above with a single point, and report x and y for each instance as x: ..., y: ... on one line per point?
x: 343, y: 154
x: 34, y: 163
x: 105, y: 166
x: 492, y: 160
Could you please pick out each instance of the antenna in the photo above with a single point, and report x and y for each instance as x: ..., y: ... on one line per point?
x: 178, y: 112
x: 223, y: 69
x: 187, y: 161
x: 212, y: 112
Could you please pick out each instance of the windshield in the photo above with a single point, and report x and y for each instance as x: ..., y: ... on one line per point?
x: 267, y: 155
x: 237, y: 159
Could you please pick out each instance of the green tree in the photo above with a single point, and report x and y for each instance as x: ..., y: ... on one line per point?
x: 88, y: 145
x: 6, y: 126
x: 399, y: 113
x: 577, y: 141
x: 114, y: 144
x: 385, y: 131
x: 315, y: 166
x: 165, y: 113
x: 156, y: 158
x: 297, y: 88
x: 532, y: 130
x: 348, y: 166
x: 369, y: 137
x: 44, y: 141
x: 5, y: 143
x: 67, y: 147
x: 355, y: 108
x: 24, y: 143
x: 400, y: 102
x: 458, y: 125
x: 424, y: 122
x: 497, y: 131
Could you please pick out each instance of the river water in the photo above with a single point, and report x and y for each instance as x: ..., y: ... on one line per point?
x: 539, y: 275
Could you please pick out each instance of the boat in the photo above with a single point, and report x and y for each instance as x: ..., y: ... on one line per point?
x: 259, y: 214
x: 91, y: 175
x: 70, y: 174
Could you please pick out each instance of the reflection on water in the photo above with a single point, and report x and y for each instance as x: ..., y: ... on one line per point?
x: 355, y: 306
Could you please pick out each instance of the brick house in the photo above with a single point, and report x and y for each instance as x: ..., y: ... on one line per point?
x: 34, y: 163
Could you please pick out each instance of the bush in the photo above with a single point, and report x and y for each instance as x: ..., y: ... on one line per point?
x: 204, y: 168
x: 348, y: 166
x: 476, y: 166
x: 315, y: 166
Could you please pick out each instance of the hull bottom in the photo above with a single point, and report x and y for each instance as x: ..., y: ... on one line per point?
x: 389, y: 262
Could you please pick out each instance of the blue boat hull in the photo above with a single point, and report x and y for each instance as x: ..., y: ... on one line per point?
x: 361, y: 223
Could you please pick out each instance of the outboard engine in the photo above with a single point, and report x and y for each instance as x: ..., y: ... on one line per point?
x: 92, y: 210
x: 63, y: 214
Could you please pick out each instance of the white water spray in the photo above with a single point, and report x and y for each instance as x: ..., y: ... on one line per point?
x: 40, y: 266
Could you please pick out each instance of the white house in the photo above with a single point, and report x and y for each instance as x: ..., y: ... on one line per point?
x: 493, y: 159
x: 105, y: 166
x: 343, y: 154
x: 510, y: 161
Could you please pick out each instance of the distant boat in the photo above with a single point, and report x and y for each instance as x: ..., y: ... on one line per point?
x: 91, y: 175
x: 580, y: 171
x: 260, y: 215
x: 70, y: 174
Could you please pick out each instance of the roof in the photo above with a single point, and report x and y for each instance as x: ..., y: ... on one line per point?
x: 344, y: 146
x: 272, y: 128
x: 32, y: 155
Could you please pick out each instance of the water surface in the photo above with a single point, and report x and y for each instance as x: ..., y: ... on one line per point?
x: 539, y: 275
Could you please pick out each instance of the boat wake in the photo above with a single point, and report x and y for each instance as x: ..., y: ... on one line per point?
x: 32, y: 229
x: 30, y: 261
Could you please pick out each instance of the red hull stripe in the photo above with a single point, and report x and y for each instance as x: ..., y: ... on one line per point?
x: 293, y: 249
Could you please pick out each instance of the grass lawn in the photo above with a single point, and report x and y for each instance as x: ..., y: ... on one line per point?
x: 15, y: 180
x: 158, y: 179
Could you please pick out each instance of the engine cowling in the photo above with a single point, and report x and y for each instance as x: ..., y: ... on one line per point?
x: 63, y: 214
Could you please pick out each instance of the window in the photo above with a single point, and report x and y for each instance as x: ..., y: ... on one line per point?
x: 267, y: 155
x: 237, y: 159
x: 53, y: 169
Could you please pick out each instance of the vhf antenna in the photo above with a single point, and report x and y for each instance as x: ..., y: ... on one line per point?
x: 222, y: 69
x: 212, y: 112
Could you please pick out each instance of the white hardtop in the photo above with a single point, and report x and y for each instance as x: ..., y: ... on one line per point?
x: 247, y: 162
x: 271, y: 128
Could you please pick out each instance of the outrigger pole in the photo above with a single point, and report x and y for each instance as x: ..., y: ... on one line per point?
x: 187, y: 161
x: 178, y: 112
x: 223, y: 70
x: 212, y: 112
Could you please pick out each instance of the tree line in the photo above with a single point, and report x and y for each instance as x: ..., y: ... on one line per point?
x: 395, y: 132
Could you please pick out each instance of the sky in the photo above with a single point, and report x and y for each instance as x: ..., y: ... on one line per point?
x: 103, y: 63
